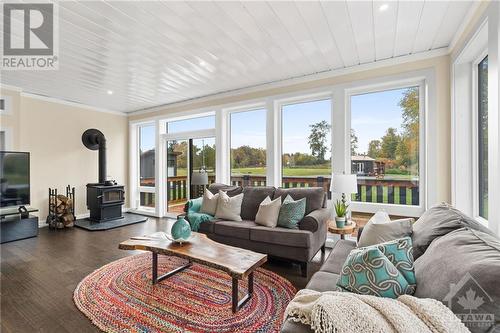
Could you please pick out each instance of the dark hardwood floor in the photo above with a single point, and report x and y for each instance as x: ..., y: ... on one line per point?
x: 38, y: 275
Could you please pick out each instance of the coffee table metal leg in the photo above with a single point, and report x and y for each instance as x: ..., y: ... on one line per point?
x: 156, y: 278
x: 238, y: 304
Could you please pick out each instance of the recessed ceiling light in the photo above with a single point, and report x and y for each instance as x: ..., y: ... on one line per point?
x: 383, y: 7
x: 110, y: 92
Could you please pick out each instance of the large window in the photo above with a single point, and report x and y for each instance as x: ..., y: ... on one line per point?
x: 248, y: 147
x: 147, y: 180
x: 385, y: 132
x: 147, y: 155
x: 306, y: 144
x: 482, y: 132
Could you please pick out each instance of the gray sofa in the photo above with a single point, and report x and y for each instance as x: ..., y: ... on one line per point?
x: 449, y: 248
x: 297, y: 245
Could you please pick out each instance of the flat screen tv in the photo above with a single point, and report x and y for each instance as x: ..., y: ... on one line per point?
x: 14, y: 178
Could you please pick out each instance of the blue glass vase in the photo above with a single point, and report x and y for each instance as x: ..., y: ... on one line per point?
x: 181, y: 230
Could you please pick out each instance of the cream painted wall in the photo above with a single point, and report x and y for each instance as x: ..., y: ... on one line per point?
x: 441, y: 66
x: 51, y: 132
x: 10, y: 121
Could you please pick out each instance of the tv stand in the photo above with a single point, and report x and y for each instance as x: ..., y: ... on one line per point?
x: 14, y: 227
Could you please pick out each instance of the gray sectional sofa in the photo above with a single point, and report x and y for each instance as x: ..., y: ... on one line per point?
x: 297, y: 245
x: 453, y: 254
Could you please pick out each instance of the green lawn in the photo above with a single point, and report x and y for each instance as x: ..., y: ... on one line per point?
x: 293, y: 172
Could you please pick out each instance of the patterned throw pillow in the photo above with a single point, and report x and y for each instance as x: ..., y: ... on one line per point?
x: 291, y: 212
x: 368, y: 271
x: 400, y: 253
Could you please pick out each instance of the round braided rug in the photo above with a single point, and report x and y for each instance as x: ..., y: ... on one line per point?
x: 119, y: 297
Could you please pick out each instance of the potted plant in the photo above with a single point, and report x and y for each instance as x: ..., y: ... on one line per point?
x: 341, y: 211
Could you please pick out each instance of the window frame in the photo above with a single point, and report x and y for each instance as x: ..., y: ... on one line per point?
x: 241, y: 109
x: 381, y: 85
x: 279, y: 103
x: 145, y: 189
x: 475, y: 136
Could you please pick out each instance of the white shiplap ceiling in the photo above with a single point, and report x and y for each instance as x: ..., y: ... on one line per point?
x: 154, y: 53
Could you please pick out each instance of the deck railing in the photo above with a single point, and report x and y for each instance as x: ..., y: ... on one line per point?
x: 370, y: 189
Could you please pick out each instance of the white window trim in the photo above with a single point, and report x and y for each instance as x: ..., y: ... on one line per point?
x: 134, y: 180
x: 485, y: 35
x: 380, y: 85
x: 475, y: 137
x: 464, y: 157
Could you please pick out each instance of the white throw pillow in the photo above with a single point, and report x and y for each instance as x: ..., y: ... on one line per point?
x: 376, y: 233
x: 209, y: 203
x: 268, y: 213
x: 229, y: 208
x: 380, y: 217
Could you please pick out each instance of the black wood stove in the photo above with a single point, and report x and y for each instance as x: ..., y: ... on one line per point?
x: 104, y: 199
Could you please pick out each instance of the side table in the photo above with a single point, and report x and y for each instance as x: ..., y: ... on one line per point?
x: 346, y: 230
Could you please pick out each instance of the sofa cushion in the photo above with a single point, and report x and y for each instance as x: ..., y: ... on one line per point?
x: 399, y: 252
x: 376, y: 233
x: 462, y: 260
x: 291, y: 212
x: 229, y: 189
x: 314, y: 196
x: 337, y: 257
x: 240, y: 229
x: 368, y: 271
x: 209, y: 203
x: 229, y: 208
x: 268, y: 212
x: 438, y: 221
x: 282, y: 236
x: 207, y: 227
x: 252, y: 198
x: 323, y: 281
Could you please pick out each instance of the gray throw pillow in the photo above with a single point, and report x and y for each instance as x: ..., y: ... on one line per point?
x: 291, y: 212
x: 438, y: 221
x: 376, y: 233
x: 461, y: 269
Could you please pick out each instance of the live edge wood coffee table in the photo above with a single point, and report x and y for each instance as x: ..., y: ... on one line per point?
x: 238, y: 263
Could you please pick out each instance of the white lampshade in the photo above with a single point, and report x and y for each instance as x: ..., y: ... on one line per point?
x: 199, y: 178
x: 344, y: 184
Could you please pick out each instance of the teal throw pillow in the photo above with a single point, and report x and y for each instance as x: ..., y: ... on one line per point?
x: 194, y: 205
x: 291, y: 212
x: 400, y: 253
x: 368, y: 271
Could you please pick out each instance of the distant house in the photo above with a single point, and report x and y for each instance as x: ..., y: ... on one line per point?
x: 147, y: 169
x: 363, y: 165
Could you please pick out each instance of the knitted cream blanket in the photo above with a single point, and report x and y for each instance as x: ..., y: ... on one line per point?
x: 343, y: 312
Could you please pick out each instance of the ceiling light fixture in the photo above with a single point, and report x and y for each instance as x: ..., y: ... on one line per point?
x: 110, y: 92
x: 383, y: 7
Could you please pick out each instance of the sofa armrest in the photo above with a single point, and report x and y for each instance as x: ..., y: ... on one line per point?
x: 316, y: 220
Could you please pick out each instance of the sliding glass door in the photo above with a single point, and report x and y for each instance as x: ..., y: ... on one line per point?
x: 190, y: 167
x: 177, y: 162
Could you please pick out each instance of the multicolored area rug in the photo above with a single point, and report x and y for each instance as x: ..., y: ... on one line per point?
x: 119, y: 297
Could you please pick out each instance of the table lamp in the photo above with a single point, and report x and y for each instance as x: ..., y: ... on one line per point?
x: 200, y: 178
